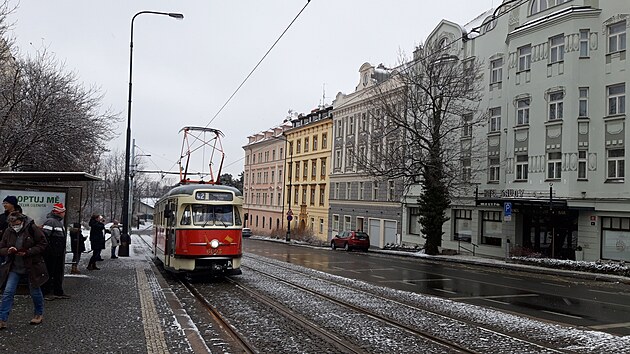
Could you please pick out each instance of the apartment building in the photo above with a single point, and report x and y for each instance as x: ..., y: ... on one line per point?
x: 555, y: 79
x: 309, y: 151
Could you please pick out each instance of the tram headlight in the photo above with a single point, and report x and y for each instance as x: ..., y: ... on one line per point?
x: 214, y: 243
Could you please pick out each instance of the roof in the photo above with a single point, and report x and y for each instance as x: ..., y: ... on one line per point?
x: 47, y: 176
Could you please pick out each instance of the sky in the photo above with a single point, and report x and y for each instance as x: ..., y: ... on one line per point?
x: 184, y: 71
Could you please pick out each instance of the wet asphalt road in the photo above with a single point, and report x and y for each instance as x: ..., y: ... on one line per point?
x: 598, y: 305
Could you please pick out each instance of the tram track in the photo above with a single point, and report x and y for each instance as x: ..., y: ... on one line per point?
x: 522, y: 343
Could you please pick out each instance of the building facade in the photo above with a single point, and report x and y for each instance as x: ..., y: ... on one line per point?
x: 555, y: 80
x: 359, y: 201
x: 306, y: 181
x: 263, y: 181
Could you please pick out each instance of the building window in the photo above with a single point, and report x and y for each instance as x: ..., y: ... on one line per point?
x: 495, y: 119
x: 298, y: 148
x: 315, y: 143
x: 348, y: 190
x: 391, y: 191
x: 324, y: 140
x: 521, y: 167
x: 617, y: 37
x: 349, y: 157
x: 616, y: 164
x: 466, y: 169
x: 321, y: 226
x: 312, y: 195
x: 364, y: 123
x: 467, y: 125
x: 496, y: 71
x: 583, y: 102
x: 463, y: 225
x: 556, y: 105
x: 375, y: 190
x: 542, y: 5
x: 336, y: 190
x: 323, y: 164
x: 347, y: 223
x: 335, y: 222
x: 554, y: 165
x: 615, y: 238
x: 305, y: 170
x: 556, y: 49
x: 495, y: 169
x: 361, y: 189
x: 297, y: 170
x: 351, y: 125
x: 584, y: 43
x: 305, y: 144
x: 296, y: 201
x: 414, y: 221
x: 491, y: 230
x: 304, y: 195
x: 522, y: 111
x: 524, y: 58
x: 339, y: 129
x: 313, y: 168
x: 360, y: 222
x: 616, y: 99
x: 322, y: 195
x: 338, y: 159
x: 582, y: 163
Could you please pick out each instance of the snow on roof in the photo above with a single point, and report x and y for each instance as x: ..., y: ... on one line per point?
x: 149, y: 201
x: 476, y: 23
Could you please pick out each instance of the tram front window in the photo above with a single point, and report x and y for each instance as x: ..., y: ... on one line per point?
x: 213, y: 215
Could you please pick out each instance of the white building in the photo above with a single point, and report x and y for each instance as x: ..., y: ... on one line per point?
x: 555, y: 80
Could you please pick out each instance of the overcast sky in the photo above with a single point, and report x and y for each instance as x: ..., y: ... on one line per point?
x: 184, y: 71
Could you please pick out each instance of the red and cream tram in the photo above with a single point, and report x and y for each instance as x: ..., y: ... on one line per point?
x: 197, y: 229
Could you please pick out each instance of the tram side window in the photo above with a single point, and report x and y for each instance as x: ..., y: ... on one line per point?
x: 237, y: 217
x: 185, y: 216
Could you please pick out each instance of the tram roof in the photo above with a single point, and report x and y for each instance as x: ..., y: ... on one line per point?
x: 191, y: 188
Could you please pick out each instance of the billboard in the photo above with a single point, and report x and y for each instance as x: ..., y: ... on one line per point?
x: 35, y: 204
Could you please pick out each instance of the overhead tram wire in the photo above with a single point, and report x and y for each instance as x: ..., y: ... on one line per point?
x: 259, y: 62
x: 407, y: 65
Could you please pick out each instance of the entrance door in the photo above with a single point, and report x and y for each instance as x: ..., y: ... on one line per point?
x: 390, y: 232
x: 551, y: 234
x: 375, y: 232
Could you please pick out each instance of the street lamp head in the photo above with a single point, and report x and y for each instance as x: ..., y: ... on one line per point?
x: 176, y: 15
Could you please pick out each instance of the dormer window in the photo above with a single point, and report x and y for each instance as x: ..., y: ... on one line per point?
x: 542, y: 5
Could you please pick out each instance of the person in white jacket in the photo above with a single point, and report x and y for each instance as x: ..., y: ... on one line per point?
x: 115, y: 239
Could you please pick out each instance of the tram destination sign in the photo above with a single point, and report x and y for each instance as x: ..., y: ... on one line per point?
x: 214, y: 196
x: 514, y: 194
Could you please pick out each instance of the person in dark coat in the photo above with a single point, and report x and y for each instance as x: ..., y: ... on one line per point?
x: 77, y: 245
x: 55, y: 255
x: 10, y: 204
x: 23, y: 243
x: 97, y: 240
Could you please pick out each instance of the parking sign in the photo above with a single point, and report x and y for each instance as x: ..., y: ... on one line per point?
x: 507, y: 211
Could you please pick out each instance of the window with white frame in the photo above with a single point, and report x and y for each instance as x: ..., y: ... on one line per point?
x: 583, y: 102
x: 584, y: 43
x: 554, y: 165
x: 351, y: 125
x: 375, y: 190
x: 305, y: 144
x: 348, y: 190
x: 542, y: 5
x: 522, y: 111
x: 321, y: 226
x: 522, y: 166
x: 297, y: 170
x: 313, y: 168
x: 467, y: 125
x: 322, y: 195
x: 491, y: 228
x: 582, y: 164
x: 337, y: 190
x: 335, y: 222
x: 615, y: 233
x: 414, y: 221
x: 312, y: 195
x: 524, y: 58
x: 347, y: 222
x: 556, y: 49
x: 616, y: 163
x: 312, y: 223
x: 556, y: 105
x: 298, y: 147
x: 495, y: 119
x: 315, y: 143
x: 304, y: 195
x: 349, y: 157
x: 616, y: 99
x: 496, y: 71
x: 296, y: 201
x: 364, y: 123
x: 462, y: 225
x: 361, y: 190
x: 466, y: 169
x: 338, y: 159
x: 324, y: 140
x: 391, y: 191
x: 617, y: 37
x: 323, y: 166
x: 339, y: 128
x: 494, y: 168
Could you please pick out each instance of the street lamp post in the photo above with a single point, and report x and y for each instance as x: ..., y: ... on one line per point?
x: 289, y: 213
x: 125, y: 237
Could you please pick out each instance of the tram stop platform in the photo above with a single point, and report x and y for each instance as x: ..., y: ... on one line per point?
x: 126, y: 307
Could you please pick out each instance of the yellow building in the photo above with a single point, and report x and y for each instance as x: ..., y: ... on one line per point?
x: 306, y: 180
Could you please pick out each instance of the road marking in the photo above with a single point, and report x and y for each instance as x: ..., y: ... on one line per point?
x: 497, y: 301
x: 377, y: 276
x: 562, y: 314
x: 412, y: 281
x: 512, y: 278
x: 611, y: 325
x: 444, y: 291
x: 552, y: 284
x: 609, y: 292
x: 494, y: 296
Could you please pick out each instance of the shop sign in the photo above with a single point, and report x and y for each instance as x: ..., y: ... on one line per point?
x: 515, y: 193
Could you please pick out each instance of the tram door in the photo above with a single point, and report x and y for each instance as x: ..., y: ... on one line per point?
x: 170, y: 231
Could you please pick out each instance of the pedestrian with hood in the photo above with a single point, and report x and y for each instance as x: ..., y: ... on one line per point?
x: 97, y: 240
x: 55, y: 255
x: 115, y: 239
x: 23, y: 243
x: 10, y: 204
x: 77, y: 245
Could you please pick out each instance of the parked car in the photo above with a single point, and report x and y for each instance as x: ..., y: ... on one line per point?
x: 246, y: 232
x: 349, y: 240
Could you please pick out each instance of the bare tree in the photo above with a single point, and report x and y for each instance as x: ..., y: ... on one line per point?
x: 426, y: 112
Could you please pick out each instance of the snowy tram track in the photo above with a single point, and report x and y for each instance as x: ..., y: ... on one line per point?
x: 481, y: 329
x: 450, y: 332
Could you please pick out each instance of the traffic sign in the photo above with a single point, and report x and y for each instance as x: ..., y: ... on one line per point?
x: 507, y: 211
x: 289, y: 217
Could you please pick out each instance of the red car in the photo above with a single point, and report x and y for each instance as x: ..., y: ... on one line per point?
x: 350, y: 240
